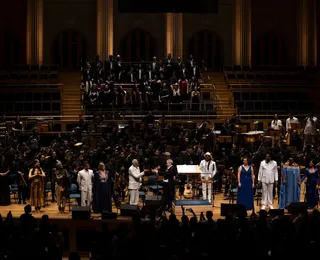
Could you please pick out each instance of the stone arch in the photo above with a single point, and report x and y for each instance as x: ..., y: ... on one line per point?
x: 271, y: 49
x: 208, y: 46
x: 68, y: 48
x: 138, y: 44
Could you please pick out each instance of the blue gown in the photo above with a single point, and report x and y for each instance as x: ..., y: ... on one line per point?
x: 311, y: 188
x: 245, y: 192
x: 289, y: 191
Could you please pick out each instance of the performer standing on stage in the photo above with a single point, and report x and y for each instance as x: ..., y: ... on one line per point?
x: 208, y: 171
x: 268, y: 175
x: 245, y: 185
x: 61, y: 178
x: 102, y: 190
x: 85, y: 180
x: 4, y: 186
x: 311, y: 180
x: 37, y: 177
x: 290, y: 184
x: 169, y: 175
x: 135, y: 182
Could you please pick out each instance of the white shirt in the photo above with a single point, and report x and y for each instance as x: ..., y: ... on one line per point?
x: 85, y: 179
x: 289, y: 121
x: 311, y: 127
x: 135, y: 178
x: 208, y: 168
x: 268, y: 172
x: 275, y: 124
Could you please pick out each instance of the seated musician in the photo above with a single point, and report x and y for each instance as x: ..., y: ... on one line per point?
x: 291, y: 120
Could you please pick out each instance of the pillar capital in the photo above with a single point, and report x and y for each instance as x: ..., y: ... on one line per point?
x: 242, y: 32
x: 174, y: 34
x: 34, y: 29
x: 105, y: 28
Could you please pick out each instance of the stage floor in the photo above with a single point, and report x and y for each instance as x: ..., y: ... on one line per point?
x: 52, y: 210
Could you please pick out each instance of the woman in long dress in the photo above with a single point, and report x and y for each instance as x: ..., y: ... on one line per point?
x: 290, y: 184
x: 102, y: 190
x: 37, y: 177
x: 245, y: 185
x: 311, y: 179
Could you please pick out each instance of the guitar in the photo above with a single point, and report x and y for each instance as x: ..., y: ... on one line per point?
x: 187, y: 193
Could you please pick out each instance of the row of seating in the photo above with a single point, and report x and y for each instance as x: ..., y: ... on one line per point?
x: 238, y: 68
x: 30, y: 101
x: 33, y: 72
x: 263, y: 86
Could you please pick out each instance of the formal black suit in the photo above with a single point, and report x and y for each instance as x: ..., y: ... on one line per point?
x: 168, y: 187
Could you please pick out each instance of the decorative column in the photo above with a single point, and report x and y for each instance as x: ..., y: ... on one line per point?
x: 35, y: 32
x: 105, y: 38
x: 307, y: 33
x: 242, y: 32
x: 174, y: 34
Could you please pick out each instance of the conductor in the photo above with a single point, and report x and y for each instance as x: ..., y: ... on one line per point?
x: 169, y: 176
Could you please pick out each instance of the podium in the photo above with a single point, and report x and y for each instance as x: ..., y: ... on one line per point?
x: 192, y: 171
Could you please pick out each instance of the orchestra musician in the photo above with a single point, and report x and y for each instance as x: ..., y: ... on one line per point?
x: 208, y: 171
x: 276, y: 124
x: 37, y: 178
x: 310, y: 130
x: 135, y: 182
x: 61, y: 177
x: 291, y: 120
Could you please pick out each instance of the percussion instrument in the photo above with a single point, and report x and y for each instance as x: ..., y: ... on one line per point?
x: 78, y: 144
x: 253, y: 136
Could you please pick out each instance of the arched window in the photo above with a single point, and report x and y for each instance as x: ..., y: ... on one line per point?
x: 138, y: 44
x: 271, y: 49
x: 68, y: 48
x: 207, y: 46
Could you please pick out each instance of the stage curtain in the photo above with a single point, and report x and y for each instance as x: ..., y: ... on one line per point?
x: 207, y: 45
x: 138, y: 44
x: 68, y: 48
x: 271, y: 49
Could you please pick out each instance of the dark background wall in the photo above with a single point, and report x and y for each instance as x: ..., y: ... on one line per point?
x: 13, y: 32
x: 70, y: 28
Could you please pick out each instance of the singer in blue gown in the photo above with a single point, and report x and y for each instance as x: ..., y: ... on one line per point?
x: 245, y: 185
x: 290, y: 184
x: 311, y: 178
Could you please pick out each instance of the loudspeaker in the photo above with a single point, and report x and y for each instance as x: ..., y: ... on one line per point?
x: 231, y: 209
x: 127, y: 210
x: 296, y: 208
x: 81, y: 213
x: 153, y: 204
x: 276, y: 212
x: 109, y: 215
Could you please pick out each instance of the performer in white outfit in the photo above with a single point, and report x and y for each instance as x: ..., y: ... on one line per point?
x: 85, y: 180
x: 135, y: 181
x: 208, y: 171
x: 268, y: 175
